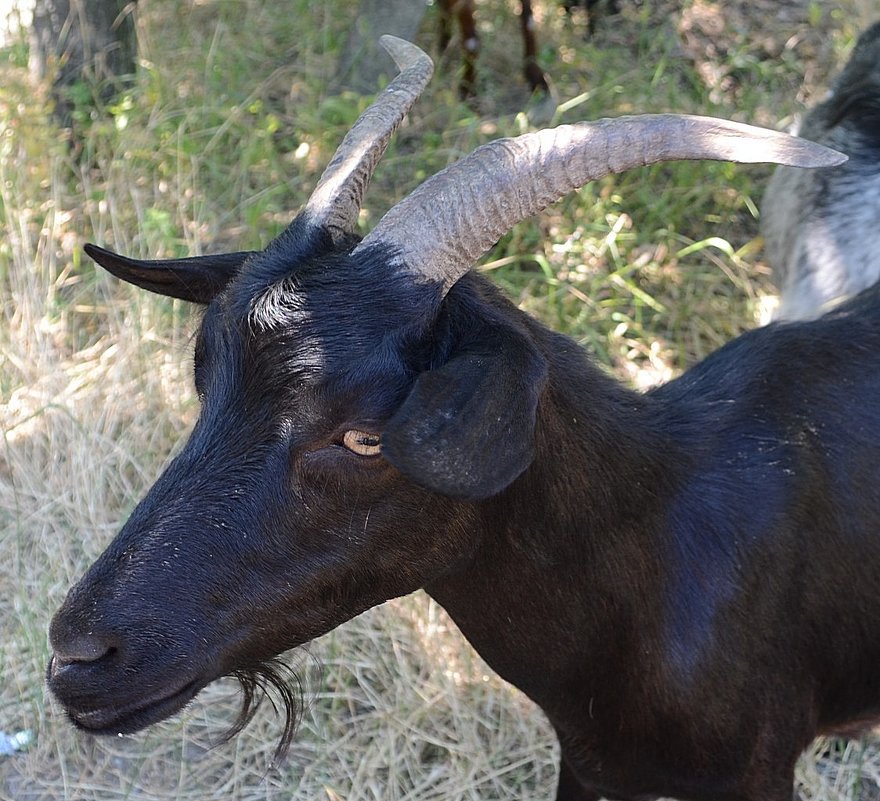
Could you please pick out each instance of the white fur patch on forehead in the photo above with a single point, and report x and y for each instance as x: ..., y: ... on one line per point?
x: 278, y: 306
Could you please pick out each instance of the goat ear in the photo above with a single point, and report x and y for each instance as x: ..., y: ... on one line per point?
x: 197, y: 279
x: 467, y: 430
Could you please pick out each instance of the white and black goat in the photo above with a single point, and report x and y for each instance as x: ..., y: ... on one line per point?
x: 685, y: 581
x: 822, y: 227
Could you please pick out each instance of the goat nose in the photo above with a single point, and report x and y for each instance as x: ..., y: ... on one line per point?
x: 83, y: 648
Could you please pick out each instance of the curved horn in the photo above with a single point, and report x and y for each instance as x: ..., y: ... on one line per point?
x: 439, y: 230
x: 336, y: 201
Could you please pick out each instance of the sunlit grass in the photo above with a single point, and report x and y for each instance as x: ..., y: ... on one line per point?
x: 229, y: 125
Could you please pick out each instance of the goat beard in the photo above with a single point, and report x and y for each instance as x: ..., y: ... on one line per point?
x: 279, y: 683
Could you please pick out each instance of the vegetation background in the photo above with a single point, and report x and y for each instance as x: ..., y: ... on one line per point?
x: 221, y: 137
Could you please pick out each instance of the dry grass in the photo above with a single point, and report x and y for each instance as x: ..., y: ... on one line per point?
x: 223, y: 136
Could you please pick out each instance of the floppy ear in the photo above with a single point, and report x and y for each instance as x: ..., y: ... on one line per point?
x: 198, y: 279
x: 467, y: 430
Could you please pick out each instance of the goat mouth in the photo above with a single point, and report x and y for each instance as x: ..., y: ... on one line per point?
x: 133, y: 716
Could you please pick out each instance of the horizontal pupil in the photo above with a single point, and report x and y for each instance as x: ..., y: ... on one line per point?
x: 364, y: 442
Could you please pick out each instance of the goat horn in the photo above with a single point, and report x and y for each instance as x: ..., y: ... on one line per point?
x: 336, y: 201
x: 438, y: 231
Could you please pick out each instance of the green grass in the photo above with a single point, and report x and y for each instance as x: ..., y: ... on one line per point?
x: 220, y: 139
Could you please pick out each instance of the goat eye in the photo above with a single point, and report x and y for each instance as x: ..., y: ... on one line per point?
x: 362, y: 443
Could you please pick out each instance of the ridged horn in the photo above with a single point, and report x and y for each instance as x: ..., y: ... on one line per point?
x: 438, y: 231
x: 336, y: 201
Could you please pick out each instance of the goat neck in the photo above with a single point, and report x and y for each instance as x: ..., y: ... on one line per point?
x: 600, y: 466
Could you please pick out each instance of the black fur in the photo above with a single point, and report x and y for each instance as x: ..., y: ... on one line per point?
x: 265, y: 680
x: 685, y: 581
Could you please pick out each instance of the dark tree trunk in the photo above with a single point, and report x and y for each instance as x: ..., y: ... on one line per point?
x: 83, y: 42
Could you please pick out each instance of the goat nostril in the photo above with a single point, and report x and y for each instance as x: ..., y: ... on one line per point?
x: 85, y: 649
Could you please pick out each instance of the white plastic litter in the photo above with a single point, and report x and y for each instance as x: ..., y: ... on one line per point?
x: 13, y: 743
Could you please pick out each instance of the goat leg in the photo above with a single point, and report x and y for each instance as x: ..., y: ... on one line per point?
x: 533, y: 73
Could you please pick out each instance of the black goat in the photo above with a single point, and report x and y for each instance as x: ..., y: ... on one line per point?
x: 822, y: 227
x: 685, y: 581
